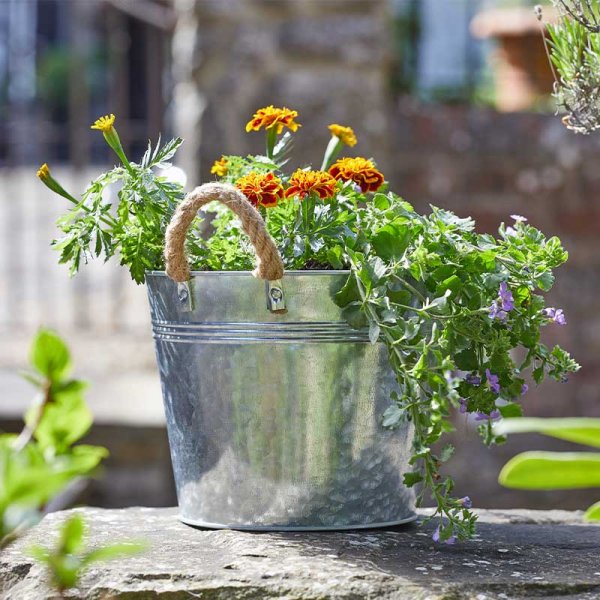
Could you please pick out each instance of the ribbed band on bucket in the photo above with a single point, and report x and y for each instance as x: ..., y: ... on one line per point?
x: 269, y: 264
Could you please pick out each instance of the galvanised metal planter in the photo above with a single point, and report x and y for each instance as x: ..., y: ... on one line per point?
x: 274, y: 418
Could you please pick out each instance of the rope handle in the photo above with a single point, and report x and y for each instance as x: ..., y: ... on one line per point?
x: 269, y: 264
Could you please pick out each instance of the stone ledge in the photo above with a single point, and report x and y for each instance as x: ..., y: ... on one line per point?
x: 517, y: 554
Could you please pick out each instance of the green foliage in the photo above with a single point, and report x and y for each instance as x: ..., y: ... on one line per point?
x: 131, y: 228
x: 428, y: 287
x: 575, y: 55
x: 39, y: 463
x: 555, y: 470
x: 69, y: 558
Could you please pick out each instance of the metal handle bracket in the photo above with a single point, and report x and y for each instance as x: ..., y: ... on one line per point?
x: 275, y: 296
x: 185, y: 295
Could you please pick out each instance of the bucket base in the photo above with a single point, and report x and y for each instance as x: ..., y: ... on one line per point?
x: 206, y: 525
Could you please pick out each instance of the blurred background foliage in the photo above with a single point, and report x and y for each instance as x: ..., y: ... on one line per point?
x: 63, y: 62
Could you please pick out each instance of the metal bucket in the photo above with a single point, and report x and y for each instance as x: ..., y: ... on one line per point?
x: 274, y: 420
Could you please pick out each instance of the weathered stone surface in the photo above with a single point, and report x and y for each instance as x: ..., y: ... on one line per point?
x: 516, y: 555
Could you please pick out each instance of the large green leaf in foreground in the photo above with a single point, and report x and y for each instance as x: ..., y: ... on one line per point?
x: 579, y: 430
x: 552, y: 471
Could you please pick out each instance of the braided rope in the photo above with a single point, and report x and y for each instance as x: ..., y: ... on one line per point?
x: 269, y: 264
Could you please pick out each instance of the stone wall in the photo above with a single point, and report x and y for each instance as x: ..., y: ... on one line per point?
x: 518, y: 554
x: 328, y: 60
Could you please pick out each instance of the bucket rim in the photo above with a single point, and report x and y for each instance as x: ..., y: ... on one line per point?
x: 308, y: 272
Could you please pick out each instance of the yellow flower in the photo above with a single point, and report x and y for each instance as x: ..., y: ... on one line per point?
x: 219, y: 167
x: 359, y: 170
x: 261, y: 189
x: 303, y: 183
x: 46, y: 178
x: 104, y: 124
x: 43, y: 172
x: 270, y: 117
x: 345, y: 134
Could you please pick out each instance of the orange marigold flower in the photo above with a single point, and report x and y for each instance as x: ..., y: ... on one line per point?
x: 270, y: 116
x: 261, y: 189
x: 303, y: 183
x: 219, y: 167
x: 360, y: 170
x: 345, y: 134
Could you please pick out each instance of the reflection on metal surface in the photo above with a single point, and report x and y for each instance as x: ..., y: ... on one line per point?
x: 274, y: 419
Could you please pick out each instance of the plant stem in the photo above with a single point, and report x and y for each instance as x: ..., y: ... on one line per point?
x: 271, y: 139
x: 28, y: 431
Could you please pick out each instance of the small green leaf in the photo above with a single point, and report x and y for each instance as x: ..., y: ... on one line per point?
x: 50, y: 355
x: 447, y: 452
x: 391, y: 241
x: 374, y: 331
x: 334, y: 256
x: 348, y: 293
x: 545, y: 281
x: 413, y: 478
x: 512, y: 409
x: 381, y: 202
x: 393, y: 416
x: 399, y: 296
x: 66, y: 420
x: 467, y: 360
x: 113, y: 551
x: 72, y: 533
x: 354, y: 316
x: 453, y: 283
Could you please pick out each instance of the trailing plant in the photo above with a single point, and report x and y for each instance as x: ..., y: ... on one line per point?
x: 450, y: 304
x: 555, y: 470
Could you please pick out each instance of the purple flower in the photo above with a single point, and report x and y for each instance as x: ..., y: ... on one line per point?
x: 463, y: 406
x: 436, y: 537
x: 466, y: 502
x: 497, y: 313
x: 510, y: 231
x: 473, y: 379
x: 493, y: 416
x: 492, y: 381
x: 506, y: 297
x: 518, y: 218
x: 555, y: 314
x: 524, y: 389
